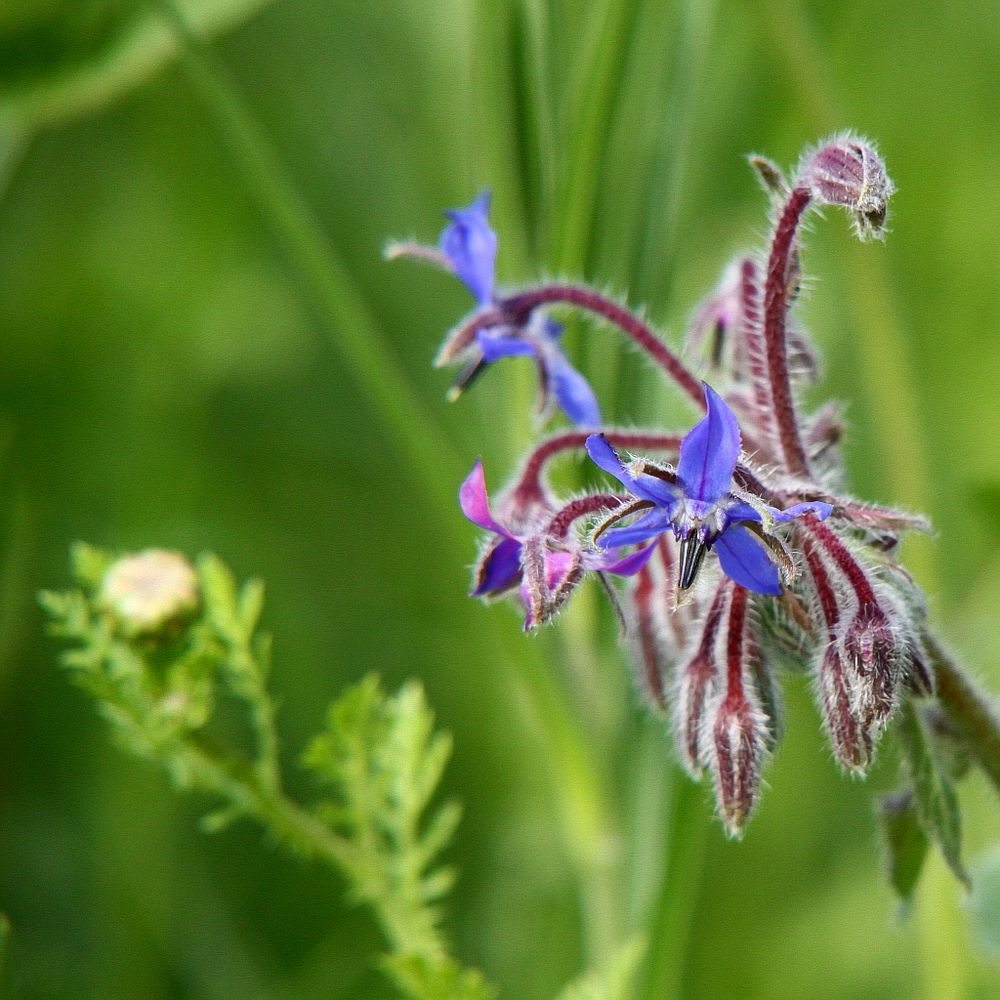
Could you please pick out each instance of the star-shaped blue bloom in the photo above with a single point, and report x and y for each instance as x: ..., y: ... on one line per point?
x: 469, y: 245
x: 698, y: 503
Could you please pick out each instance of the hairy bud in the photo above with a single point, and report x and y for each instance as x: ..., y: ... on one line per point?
x: 874, y: 656
x: 849, y: 172
x: 739, y: 729
x: 851, y: 741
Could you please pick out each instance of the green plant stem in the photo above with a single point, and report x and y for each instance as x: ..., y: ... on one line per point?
x: 970, y: 710
x: 318, y: 267
x: 295, y: 826
x: 670, y: 923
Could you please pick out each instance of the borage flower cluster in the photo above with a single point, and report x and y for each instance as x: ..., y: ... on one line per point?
x: 743, y: 554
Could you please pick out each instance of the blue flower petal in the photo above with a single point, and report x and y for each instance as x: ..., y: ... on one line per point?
x: 709, y: 452
x: 742, y: 511
x: 743, y: 559
x: 500, y: 568
x: 644, y: 487
x: 818, y: 507
x: 572, y: 390
x: 651, y: 524
x: 495, y: 346
x: 470, y: 244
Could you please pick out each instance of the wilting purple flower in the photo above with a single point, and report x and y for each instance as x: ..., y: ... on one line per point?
x: 501, y: 565
x: 699, y: 505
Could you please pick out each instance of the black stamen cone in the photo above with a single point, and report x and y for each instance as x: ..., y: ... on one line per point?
x: 690, y: 558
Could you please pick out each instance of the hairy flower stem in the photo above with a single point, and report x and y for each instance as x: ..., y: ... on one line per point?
x: 563, y: 519
x: 529, y: 485
x: 517, y: 309
x: 635, y: 329
x: 777, y: 293
x: 969, y: 710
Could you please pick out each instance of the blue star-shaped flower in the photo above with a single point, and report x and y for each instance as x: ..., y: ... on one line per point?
x: 469, y: 246
x: 698, y: 504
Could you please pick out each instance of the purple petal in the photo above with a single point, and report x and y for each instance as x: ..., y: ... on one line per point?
x: 500, y: 567
x: 495, y: 346
x: 648, y: 526
x: 631, y: 564
x: 644, y: 487
x: 475, y: 501
x: 818, y: 507
x: 745, y: 561
x: 572, y: 390
x: 470, y: 244
x: 709, y: 452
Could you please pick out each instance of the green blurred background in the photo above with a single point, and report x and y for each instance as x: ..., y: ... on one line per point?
x: 194, y: 359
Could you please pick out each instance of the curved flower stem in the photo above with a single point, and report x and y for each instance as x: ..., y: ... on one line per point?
x: 529, y: 483
x: 627, y: 322
x: 970, y: 710
x: 776, y: 301
x: 517, y: 309
x: 670, y: 925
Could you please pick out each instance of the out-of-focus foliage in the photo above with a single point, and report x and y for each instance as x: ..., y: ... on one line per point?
x: 167, y: 380
x: 163, y: 690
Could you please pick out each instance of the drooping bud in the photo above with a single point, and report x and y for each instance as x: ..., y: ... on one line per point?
x: 549, y: 579
x: 847, y: 171
x: 148, y: 590
x: 875, y: 656
x: 850, y: 740
x: 739, y: 731
x: 697, y: 684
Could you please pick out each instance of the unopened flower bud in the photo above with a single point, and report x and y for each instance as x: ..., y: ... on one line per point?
x: 851, y: 741
x: 147, y: 590
x: 849, y: 172
x: 874, y: 656
x: 738, y: 748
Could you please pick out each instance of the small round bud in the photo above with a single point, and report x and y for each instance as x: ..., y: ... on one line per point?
x: 848, y: 171
x: 146, y: 590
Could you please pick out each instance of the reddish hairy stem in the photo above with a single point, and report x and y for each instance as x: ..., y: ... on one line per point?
x: 522, y: 305
x: 517, y: 309
x: 824, y: 590
x: 734, y: 648
x: 642, y: 601
x: 563, y: 519
x: 528, y: 486
x: 843, y: 559
x: 776, y: 301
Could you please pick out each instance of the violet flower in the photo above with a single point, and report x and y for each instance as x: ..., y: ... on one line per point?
x: 505, y: 561
x: 468, y: 247
x: 700, y: 504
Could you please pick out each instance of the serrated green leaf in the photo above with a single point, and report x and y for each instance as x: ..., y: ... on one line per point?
x: 89, y: 564
x: 615, y: 981
x: 250, y: 607
x: 437, y: 977
x: 218, y: 588
x: 64, y: 58
x: 934, y: 794
x: 904, y: 841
